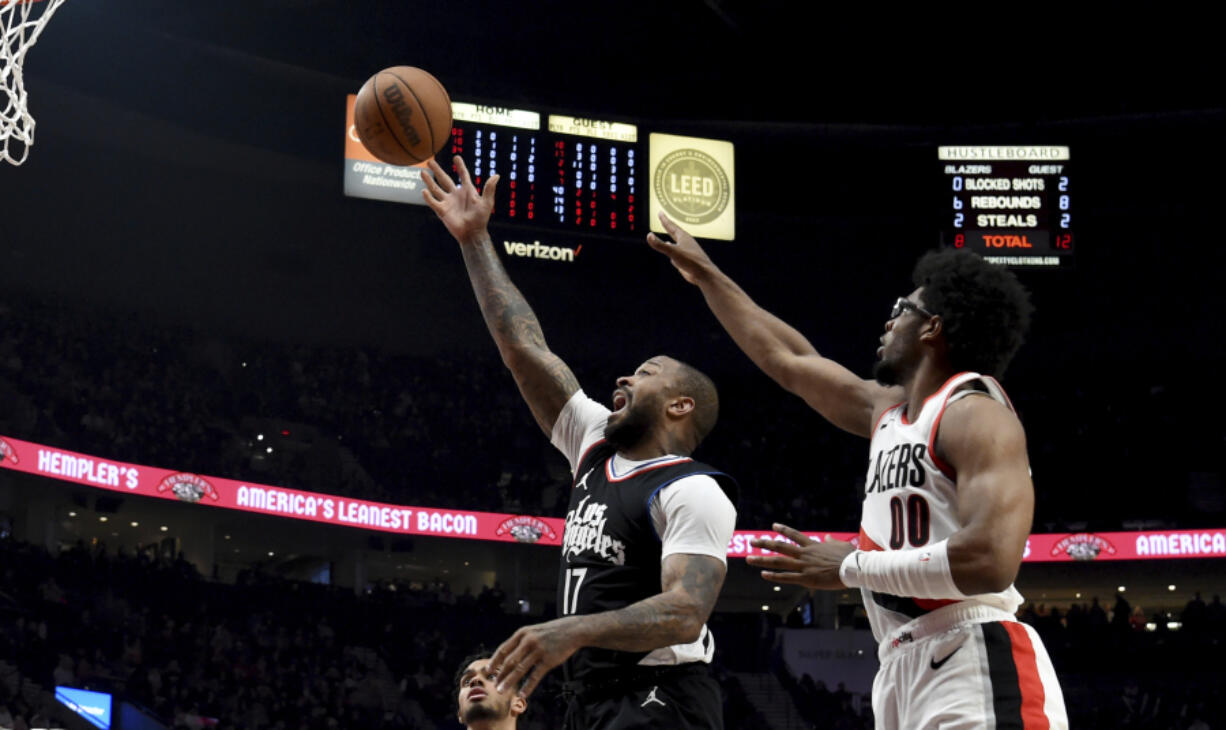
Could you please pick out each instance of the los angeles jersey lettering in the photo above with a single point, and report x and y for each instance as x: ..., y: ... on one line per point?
x: 910, y: 497
x: 610, y: 551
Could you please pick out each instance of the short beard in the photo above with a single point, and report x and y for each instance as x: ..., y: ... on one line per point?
x: 630, y: 429
x: 480, y: 711
x: 887, y: 373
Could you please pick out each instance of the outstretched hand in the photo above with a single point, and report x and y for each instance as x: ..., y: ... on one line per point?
x: 461, y: 208
x: 532, y: 651
x: 806, y: 562
x: 685, y: 253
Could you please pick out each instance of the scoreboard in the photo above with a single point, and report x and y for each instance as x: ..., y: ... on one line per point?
x: 560, y: 171
x: 1011, y: 204
x: 568, y: 174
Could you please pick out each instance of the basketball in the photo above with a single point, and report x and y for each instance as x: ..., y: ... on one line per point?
x: 403, y: 115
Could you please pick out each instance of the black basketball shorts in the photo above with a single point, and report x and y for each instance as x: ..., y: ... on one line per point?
x: 678, y: 698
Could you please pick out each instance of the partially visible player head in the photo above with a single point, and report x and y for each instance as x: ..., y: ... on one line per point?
x: 481, y: 705
x: 663, y: 395
x: 968, y: 313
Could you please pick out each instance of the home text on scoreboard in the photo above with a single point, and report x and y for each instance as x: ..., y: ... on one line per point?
x: 1011, y: 204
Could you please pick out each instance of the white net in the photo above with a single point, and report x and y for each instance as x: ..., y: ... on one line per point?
x: 21, y: 22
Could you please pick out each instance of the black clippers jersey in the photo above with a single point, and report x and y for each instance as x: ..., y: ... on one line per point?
x: 610, y: 550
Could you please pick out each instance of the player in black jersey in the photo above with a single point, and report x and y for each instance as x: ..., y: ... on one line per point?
x: 645, y: 546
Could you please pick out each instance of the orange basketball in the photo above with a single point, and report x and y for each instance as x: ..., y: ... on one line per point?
x: 403, y: 115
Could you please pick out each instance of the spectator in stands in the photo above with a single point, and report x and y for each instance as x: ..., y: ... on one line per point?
x: 1121, y: 613
x: 1193, y: 616
x: 1215, y: 616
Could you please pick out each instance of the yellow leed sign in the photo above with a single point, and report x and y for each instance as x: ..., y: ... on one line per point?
x: 693, y: 182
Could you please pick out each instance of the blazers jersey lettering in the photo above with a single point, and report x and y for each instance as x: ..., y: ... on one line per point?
x: 610, y: 550
x: 910, y: 498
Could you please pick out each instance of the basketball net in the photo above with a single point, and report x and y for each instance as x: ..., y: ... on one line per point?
x: 18, y: 32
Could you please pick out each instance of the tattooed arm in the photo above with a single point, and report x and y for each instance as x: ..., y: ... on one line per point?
x: 676, y: 615
x: 545, y: 382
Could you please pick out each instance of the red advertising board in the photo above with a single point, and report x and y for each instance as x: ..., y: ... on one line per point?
x: 148, y: 481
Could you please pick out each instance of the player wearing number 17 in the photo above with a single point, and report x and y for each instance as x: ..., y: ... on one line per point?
x: 645, y: 547
x: 948, y: 500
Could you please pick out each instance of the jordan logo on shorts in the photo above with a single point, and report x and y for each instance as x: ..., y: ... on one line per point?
x: 651, y: 697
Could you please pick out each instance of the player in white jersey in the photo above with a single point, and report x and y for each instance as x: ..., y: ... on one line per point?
x: 948, y: 501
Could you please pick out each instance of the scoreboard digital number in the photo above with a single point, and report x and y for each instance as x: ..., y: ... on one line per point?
x: 1011, y: 204
x: 567, y: 172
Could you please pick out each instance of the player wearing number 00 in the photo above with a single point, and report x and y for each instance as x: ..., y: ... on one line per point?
x: 948, y: 500
x: 645, y: 546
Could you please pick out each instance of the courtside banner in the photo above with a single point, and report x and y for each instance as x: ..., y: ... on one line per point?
x: 93, y: 471
x: 1054, y: 548
x: 210, y: 491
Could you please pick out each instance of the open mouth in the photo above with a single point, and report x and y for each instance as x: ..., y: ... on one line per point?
x: 620, y: 400
x: 476, y: 695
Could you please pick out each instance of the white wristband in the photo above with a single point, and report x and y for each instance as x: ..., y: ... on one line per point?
x: 922, y: 573
x: 849, y: 569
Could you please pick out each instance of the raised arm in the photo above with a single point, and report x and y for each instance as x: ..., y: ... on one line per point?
x: 545, y: 382
x: 849, y: 402
x: 690, y: 584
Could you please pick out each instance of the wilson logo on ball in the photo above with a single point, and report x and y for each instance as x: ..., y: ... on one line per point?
x: 395, y: 99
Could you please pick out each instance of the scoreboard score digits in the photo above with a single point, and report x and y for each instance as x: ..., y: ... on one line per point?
x: 575, y: 174
x: 1011, y: 204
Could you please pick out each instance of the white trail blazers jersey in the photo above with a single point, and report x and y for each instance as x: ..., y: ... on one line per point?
x: 910, y: 498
